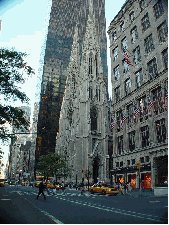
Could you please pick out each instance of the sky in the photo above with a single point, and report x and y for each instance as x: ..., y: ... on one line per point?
x: 24, y: 27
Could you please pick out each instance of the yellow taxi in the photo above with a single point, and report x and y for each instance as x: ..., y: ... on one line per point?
x: 58, y: 186
x: 37, y: 183
x: 99, y: 188
x: 49, y: 185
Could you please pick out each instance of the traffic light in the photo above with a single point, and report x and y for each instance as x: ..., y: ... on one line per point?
x: 138, y: 165
x: 82, y: 170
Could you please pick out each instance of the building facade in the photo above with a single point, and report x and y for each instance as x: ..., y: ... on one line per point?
x: 139, y: 75
x: 83, y: 125
x: 63, y: 18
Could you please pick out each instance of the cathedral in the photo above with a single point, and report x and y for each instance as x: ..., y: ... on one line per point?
x: 83, y: 124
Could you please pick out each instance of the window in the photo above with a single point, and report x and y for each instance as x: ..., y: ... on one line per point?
x: 128, y: 162
x: 134, y: 34
x: 165, y: 58
x: 120, y: 145
x: 130, y: 109
x: 122, y: 26
x: 142, y: 4
x: 126, y: 66
x: 143, y: 108
x: 145, y: 136
x: 90, y: 92
x: 128, y: 86
x: 133, y: 161
x: 139, y: 78
x: 90, y: 65
x: 157, y: 101
x: 93, y: 117
x: 137, y: 55
x: 121, y: 163
x: 132, y: 140
x: 145, y: 22
x: 96, y: 65
x: 117, y: 94
x: 116, y: 72
x: 142, y: 159
x: 152, y: 68
x: 115, y: 53
x: 148, y: 42
x: 118, y: 117
x: 147, y: 159
x: 132, y: 17
x: 114, y: 36
x: 158, y: 9
x: 162, y: 31
x: 117, y: 164
x: 124, y: 43
x: 161, y: 130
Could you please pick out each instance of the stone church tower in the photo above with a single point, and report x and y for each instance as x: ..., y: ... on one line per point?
x: 83, y: 126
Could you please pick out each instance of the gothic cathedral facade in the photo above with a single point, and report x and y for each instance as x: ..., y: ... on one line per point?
x: 83, y: 126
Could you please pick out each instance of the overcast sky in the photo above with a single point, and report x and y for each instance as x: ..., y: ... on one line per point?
x: 24, y: 25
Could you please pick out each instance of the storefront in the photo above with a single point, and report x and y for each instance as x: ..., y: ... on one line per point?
x: 120, y: 178
x: 146, y: 179
x: 131, y: 178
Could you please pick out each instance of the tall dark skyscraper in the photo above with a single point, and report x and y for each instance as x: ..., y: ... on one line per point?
x: 64, y: 16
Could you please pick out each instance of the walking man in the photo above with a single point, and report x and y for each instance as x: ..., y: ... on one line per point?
x: 41, y: 190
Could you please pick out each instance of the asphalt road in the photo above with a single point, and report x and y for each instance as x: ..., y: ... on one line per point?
x: 19, y: 205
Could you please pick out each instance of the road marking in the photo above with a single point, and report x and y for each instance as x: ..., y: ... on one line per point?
x: 5, y: 199
x: 46, y: 213
x: 154, y: 201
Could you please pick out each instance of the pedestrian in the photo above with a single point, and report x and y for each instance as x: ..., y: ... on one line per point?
x: 129, y: 188
x: 63, y: 187
x: 125, y: 188
x: 142, y: 186
x: 41, y: 190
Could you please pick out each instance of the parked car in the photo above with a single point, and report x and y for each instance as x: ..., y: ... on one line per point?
x: 98, y: 188
x: 12, y: 182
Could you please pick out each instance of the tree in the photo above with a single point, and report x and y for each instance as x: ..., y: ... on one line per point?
x: 13, y: 72
x: 1, y: 157
x: 53, y: 164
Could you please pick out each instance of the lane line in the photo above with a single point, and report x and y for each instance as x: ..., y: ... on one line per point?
x: 46, y: 213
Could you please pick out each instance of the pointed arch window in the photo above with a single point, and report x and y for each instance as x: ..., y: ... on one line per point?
x: 90, y: 65
x: 96, y: 65
x: 90, y: 92
x: 93, y: 117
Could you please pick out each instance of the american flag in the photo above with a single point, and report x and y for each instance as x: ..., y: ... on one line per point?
x: 150, y: 105
x: 113, y: 124
x: 136, y: 112
x: 165, y: 96
x: 126, y: 57
x: 123, y: 119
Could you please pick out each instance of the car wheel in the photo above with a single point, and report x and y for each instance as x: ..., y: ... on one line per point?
x: 114, y: 194
x: 92, y: 192
x: 104, y: 192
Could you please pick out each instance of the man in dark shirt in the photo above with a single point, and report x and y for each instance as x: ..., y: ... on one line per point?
x: 41, y: 189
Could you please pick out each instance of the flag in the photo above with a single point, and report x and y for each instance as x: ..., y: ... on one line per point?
x: 113, y: 124
x: 150, y: 105
x: 136, y: 112
x: 165, y: 97
x: 126, y: 57
x: 123, y: 119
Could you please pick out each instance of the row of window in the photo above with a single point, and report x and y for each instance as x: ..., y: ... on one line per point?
x: 148, y: 43
x: 140, y: 79
x: 144, y: 134
x: 158, y: 11
x: 133, y: 161
x: 159, y: 100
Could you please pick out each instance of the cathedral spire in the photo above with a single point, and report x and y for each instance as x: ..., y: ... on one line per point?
x: 90, y: 7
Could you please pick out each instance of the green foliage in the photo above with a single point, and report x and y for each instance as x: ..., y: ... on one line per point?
x: 54, y: 164
x: 13, y: 72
